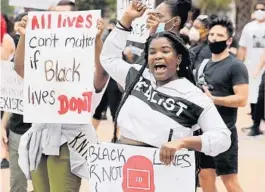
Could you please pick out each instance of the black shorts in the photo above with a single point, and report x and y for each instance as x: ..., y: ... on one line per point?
x: 225, y: 163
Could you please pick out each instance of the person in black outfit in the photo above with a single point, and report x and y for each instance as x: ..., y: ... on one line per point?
x: 226, y: 80
x: 112, y: 95
x: 259, y: 108
x: 198, y: 34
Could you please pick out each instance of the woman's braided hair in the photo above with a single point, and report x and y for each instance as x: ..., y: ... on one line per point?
x: 184, y: 70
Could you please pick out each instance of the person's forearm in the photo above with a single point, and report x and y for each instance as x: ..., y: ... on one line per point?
x: 230, y: 101
x: 262, y: 63
x: 241, y: 54
x: 193, y: 143
x: 19, y: 56
x: 111, y: 56
x: 126, y: 21
x: 260, y: 68
x: 101, y: 76
x: 5, y: 119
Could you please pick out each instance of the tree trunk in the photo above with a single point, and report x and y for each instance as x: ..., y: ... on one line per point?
x: 243, y: 13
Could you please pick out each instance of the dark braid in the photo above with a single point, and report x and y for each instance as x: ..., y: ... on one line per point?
x: 184, y: 71
x: 179, y: 46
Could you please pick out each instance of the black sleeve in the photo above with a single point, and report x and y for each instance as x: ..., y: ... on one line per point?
x: 239, y: 74
x: 234, y: 43
x: 192, y: 58
x: 205, y: 53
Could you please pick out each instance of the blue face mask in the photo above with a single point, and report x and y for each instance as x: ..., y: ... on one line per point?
x: 161, y: 27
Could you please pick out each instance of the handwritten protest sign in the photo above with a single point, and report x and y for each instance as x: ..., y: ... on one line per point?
x: 139, y: 33
x: 11, y: 97
x: 59, y: 66
x: 36, y: 4
x: 124, y: 168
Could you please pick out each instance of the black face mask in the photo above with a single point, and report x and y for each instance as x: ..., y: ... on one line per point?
x: 218, y: 46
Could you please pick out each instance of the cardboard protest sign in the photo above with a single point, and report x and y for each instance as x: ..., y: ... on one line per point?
x: 124, y: 168
x: 36, y: 4
x: 59, y: 66
x: 11, y: 97
x: 139, y: 33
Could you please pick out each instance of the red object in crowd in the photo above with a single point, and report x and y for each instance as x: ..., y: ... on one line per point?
x: 3, y: 28
x: 138, y: 175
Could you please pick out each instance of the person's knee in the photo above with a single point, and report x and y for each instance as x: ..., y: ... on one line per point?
x: 207, y: 174
x: 230, y: 181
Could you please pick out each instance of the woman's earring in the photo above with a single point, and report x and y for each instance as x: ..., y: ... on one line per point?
x: 178, y: 68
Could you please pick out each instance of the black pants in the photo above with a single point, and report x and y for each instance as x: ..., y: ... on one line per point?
x: 259, y: 108
x: 103, y: 105
x: 114, y: 97
x: 253, y: 108
x: 111, y: 98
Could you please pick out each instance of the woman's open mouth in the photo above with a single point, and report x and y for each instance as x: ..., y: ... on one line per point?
x: 160, y: 68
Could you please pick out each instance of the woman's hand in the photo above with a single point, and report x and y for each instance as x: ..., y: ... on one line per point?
x: 168, y: 150
x: 100, y: 27
x: 152, y: 22
x: 22, y: 25
x: 134, y: 10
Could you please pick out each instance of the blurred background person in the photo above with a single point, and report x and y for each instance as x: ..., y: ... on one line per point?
x: 252, y: 44
x: 198, y: 38
x: 8, y: 44
x: 12, y: 129
x: 112, y: 95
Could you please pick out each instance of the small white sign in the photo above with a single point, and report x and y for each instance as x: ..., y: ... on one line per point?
x: 125, y: 168
x: 59, y: 66
x: 36, y: 4
x: 11, y: 98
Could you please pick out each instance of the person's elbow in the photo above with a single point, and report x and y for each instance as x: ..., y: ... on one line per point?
x: 225, y: 142
x: 217, y: 142
x: 242, y: 100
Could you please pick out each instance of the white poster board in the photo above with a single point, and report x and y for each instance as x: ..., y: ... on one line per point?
x: 11, y: 97
x: 139, y: 33
x: 36, y: 4
x: 124, y: 168
x: 59, y: 66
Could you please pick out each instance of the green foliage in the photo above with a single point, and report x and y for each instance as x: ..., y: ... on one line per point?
x: 213, y: 6
x: 108, y: 7
x: 5, y: 8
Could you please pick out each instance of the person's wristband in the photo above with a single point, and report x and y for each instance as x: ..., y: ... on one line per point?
x: 122, y: 27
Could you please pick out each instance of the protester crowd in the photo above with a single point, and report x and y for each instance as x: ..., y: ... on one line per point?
x: 192, y: 74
